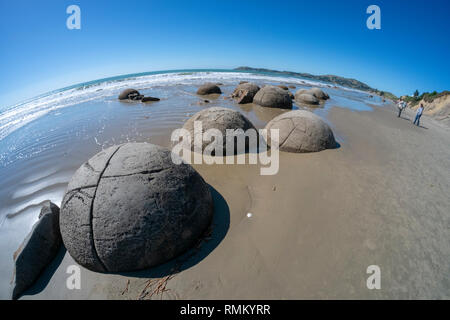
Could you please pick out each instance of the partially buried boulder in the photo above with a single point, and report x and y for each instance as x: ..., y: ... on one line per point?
x: 244, y: 93
x: 209, y: 88
x: 301, y: 131
x: 130, y: 94
x: 319, y: 93
x: 220, y: 119
x: 37, y: 250
x: 273, y: 97
x: 306, y: 98
x: 282, y: 86
x: 130, y: 207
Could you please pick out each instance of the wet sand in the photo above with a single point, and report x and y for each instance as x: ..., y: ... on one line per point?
x: 380, y: 199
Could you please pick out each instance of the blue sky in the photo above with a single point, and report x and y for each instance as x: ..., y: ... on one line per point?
x: 39, y: 54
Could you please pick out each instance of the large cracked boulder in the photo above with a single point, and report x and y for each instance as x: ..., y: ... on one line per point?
x: 245, y: 92
x: 273, y: 97
x: 37, y: 250
x: 221, y: 119
x: 209, y: 88
x: 130, y: 207
x: 301, y: 131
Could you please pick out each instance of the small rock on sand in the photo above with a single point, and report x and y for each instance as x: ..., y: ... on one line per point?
x: 149, y: 99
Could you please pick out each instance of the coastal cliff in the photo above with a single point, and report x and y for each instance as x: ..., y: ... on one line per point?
x: 437, y: 105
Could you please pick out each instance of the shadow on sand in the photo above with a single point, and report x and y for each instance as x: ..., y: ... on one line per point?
x: 43, y: 280
x: 407, y: 119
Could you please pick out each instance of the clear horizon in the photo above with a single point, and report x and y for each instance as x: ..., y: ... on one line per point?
x: 409, y: 52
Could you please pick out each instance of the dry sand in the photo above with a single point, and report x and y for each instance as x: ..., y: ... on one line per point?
x: 381, y: 198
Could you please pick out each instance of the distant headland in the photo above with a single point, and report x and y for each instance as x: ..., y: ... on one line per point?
x: 342, y: 81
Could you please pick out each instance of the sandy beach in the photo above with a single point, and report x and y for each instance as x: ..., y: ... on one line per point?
x: 381, y: 199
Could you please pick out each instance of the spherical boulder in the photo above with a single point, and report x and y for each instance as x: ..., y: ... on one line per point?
x: 307, y: 98
x: 299, y: 92
x: 319, y: 93
x: 130, y: 207
x: 208, y: 88
x: 220, y: 119
x: 130, y: 94
x: 245, y: 92
x: 301, y: 131
x: 273, y: 97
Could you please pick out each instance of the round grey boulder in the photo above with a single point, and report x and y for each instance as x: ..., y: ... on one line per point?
x: 245, y: 92
x: 221, y: 119
x: 273, y: 97
x: 319, y: 93
x: 209, y: 88
x: 307, y: 98
x: 300, y: 91
x: 301, y: 131
x: 130, y: 94
x: 130, y: 207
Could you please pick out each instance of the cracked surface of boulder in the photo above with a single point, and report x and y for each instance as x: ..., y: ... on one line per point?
x: 273, y: 97
x: 130, y: 207
x: 301, y: 131
x: 245, y: 92
x: 221, y: 119
x: 37, y: 250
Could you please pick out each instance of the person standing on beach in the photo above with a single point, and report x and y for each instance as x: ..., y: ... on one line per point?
x: 401, y: 105
x: 418, y: 115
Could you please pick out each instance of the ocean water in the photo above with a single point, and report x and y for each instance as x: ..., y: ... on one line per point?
x: 45, y: 139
